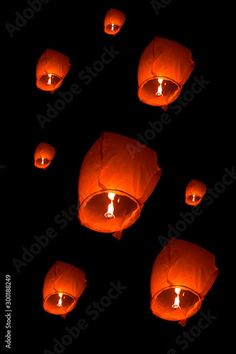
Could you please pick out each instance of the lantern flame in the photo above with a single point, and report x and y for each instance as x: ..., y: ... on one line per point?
x: 193, y: 197
x: 42, y: 160
x: 160, y: 87
x: 49, y: 79
x: 177, y: 300
x: 59, y: 304
x: 110, y: 209
x: 112, y: 26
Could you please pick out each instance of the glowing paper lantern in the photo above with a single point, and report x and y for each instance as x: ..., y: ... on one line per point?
x: 113, y: 21
x: 182, y: 275
x: 51, y: 70
x: 194, y: 193
x: 114, y: 184
x: 164, y: 68
x: 63, y: 285
x: 43, y: 156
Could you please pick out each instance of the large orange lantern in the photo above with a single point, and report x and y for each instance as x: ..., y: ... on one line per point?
x: 164, y: 67
x: 63, y: 285
x: 43, y: 156
x: 113, y: 184
x: 51, y: 70
x: 182, y: 275
x: 113, y: 21
x: 194, y: 193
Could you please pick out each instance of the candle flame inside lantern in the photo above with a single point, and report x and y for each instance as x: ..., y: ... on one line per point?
x: 59, y: 304
x: 159, y: 91
x: 110, y: 209
x: 49, y: 79
x: 176, y: 303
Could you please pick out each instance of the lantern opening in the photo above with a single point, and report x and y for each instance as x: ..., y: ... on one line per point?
x: 111, y: 27
x: 43, y: 161
x: 50, y: 80
x: 194, y: 198
x: 59, y: 303
x: 174, y: 303
x: 121, y: 208
x: 158, y: 91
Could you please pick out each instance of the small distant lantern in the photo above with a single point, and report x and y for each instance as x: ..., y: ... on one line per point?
x: 194, y: 193
x: 43, y: 156
x: 113, y: 21
x: 114, y: 184
x: 63, y: 285
x: 164, y: 68
x: 182, y: 275
x: 51, y: 70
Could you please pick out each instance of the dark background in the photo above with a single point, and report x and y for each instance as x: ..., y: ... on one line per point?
x: 198, y: 143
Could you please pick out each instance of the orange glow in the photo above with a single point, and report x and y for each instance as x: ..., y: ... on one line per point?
x: 113, y: 21
x: 52, y: 68
x: 194, y: 193
x: 167, y: 62
x: 110, y: 209
x: 182, y: 275
x: 159, y: 88
x: 114, y: 183
x: 176, y: 303
x: 43, y: 156
x: 63, y: 285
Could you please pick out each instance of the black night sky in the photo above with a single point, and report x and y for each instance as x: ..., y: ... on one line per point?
x: 195, y: 143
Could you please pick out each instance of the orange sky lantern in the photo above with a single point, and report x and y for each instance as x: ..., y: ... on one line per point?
x: 113, y: 21
x: 182, y: 275
x: 113, y: 184
x: 51, y: 70
x: 63, y: 285
x: 164, y: 68
x: 43, y: 156
x: 194, y: 193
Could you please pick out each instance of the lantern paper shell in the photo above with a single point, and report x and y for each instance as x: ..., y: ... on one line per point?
x: 43, y: 156
x: 113, y: 21
x: 63, y: 285
x: 113, y: 176
x: 164, y: 67
x: 51, y: 70
x: 182, y: 275
x: 194, y: 193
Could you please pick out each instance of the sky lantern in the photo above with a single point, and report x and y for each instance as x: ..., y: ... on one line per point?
x: 113, y: 21
x: 63, y: 285
x: 194, y: 193
x: 51, y: 70
x: 164, y: 68
x: 114, y: 184
x: 43, y: 156
x: 182, y: 275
